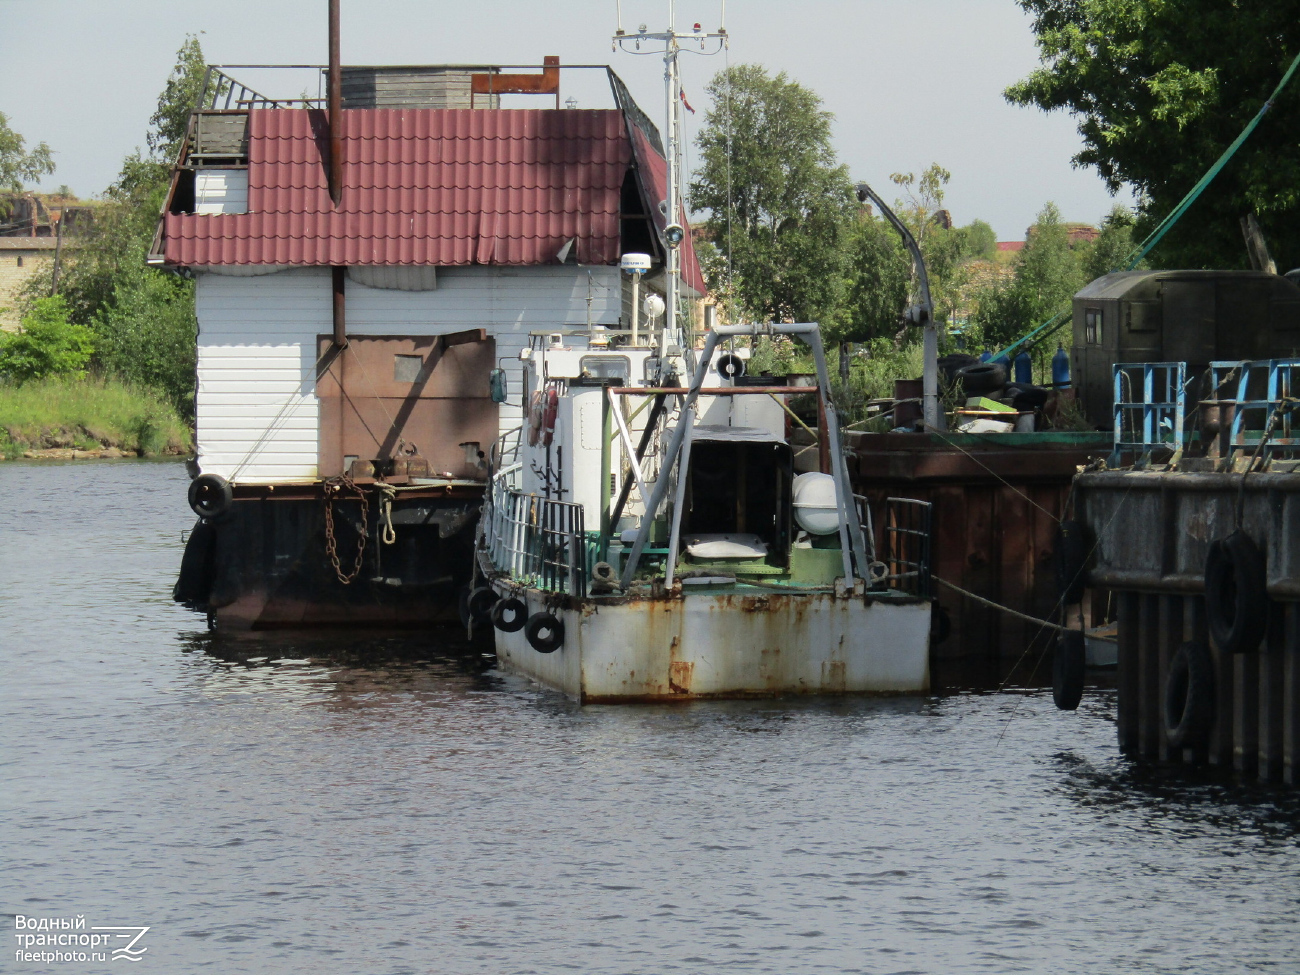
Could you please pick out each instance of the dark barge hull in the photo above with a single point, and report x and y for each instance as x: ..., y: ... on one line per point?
x: 1152, y: 533
x: 997, y: 501
x: 266, y: 564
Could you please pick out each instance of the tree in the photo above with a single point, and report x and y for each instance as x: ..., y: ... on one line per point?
x: 17, y: 165
x: 143, y: 317
x: 1047, y: 274
x: 1160, y: 90
x: 46, y: 345
x: 1112, y: 248
x: 878, y: 276
x: 776, y: 198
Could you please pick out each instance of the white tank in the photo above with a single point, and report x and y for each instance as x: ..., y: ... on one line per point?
x: 814, y: 503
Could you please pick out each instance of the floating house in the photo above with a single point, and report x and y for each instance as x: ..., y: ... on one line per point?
x: 368, y: 269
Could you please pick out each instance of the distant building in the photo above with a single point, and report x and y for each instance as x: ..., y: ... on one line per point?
x: 28, y: 239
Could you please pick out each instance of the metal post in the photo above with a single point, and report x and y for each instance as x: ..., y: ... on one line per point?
x: 842, y: 499
x: 670, y: 456
x: 606, y: 435
x: 679, y: 500
x: 335, y: 98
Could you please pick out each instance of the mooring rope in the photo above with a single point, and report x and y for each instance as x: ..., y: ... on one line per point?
x: 1045, y: 624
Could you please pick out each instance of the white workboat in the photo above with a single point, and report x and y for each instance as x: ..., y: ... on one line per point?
x: 648, y: 542
x: 642, y: 540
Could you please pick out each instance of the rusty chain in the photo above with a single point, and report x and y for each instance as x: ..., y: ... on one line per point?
x: 333, y: 487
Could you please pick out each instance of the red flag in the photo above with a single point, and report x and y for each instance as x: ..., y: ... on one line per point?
x: 682, y: 93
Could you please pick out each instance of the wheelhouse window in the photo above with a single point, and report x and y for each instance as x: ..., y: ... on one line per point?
x: 605, y: 367
x: 1092, y: 326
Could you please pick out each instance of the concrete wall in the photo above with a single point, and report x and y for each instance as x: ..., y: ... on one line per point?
x: 34, y: 253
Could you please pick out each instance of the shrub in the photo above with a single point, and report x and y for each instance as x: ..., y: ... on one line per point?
x: 46, y: 345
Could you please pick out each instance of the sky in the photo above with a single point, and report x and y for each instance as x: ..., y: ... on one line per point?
x: 910, y: 82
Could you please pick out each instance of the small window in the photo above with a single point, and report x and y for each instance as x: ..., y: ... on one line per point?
x: 606, y: 366
x: 20, y: 260
x: 407, y: 368
x: 1092, y: 326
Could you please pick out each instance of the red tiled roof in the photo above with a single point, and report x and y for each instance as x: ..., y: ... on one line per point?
x: 421, y: 186
x: 654, y: 170
x: 1011, y: 245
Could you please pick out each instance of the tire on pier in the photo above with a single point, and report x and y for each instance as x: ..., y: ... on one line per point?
x: 479, y: 604
x: 1069, y: 663
x: 545, y: 632
x: 1236, y: 601
x: 1188, y: 710
x: 509, y: 615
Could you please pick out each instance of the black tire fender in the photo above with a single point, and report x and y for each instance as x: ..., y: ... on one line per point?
x: 210, y: 495
x: 198, y: 564
x: 940, y: 625
x: 1236, y: 601
x: 1071, y: 560
x: 479, y: 603
x: 509, y: 615
x: 1188, y: 707
x: 731, y: 366
x: 545, y: 632
x: 1068, y: 670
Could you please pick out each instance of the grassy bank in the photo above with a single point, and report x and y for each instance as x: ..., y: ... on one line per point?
x: 88, y: 414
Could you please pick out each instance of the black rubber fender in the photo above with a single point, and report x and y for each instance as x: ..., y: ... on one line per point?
x: 1236, y: 601
x: 479, y: 603
x: 198, y: 567
x: 509, y: 615
x: 1068, y: 666
x: 1188, y: 710
x: 1071, y: 560
x: 940, y: 625
x: 545, y: 632
x: 210, y: 495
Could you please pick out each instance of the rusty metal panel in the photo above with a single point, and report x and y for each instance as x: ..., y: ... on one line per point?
x: 367, y: 411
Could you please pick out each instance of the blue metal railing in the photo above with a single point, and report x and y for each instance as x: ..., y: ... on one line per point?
x: 1150, y: 409
x: 1262, y: 411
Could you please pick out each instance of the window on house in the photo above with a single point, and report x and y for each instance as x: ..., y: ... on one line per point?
x: 1092, y: 326
x: 407, y: 368
x: 20, y: 260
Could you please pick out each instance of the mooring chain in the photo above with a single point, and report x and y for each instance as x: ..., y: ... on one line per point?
x: 333, y: 488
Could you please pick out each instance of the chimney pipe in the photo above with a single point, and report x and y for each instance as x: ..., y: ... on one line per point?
x: 335, y: 106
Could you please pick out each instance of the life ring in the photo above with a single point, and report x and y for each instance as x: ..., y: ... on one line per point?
x: 534, y: 417
x: 603, y: 576
x: 1071, y: 560
x: 479, y: 603
x: 544, y: 632
x: 210, y: 495
x: 1189, y: 696
x: 1068, y: 666
x: 509, y: 615
x: 548, y: 418
x: 1236, y: 602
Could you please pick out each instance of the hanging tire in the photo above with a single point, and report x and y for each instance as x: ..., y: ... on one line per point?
x: 982, y: 377
x: 1188, y: 710
x: 1068, y: 666
x: 940, y: 625
x: 545, y: 633
x: 198, y: 566
x: 1236, y: 601
x: 210, y: 495
x: 509, y: 615
x: 479, y: 603
x: 1071, y: 560
x: 731, y: 366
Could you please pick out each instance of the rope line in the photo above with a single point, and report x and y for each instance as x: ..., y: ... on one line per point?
x: 995, y: 474
x: 1046, y: 624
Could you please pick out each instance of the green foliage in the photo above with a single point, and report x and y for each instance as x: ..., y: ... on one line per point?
x: 1111, y: 250
x: 46, y: 345
x: 17, y: 164
x: 147, y: 334
x: 771, y: 176
x: 144, y: 318
x: 879, y: 273
x: 178, y: 98
x: 1047, y: 274
x: 89, y: 413
x: 1160, y: 90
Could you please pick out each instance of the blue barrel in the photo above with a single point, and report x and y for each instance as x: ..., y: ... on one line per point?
x: 1024, y: 368
x: 1003, y: 360
x: 1061, y: 368
x: 986, y: 355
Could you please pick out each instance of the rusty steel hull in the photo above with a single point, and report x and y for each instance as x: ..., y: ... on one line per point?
x: 727, y: 645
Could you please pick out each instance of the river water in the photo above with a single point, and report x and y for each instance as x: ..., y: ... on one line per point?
x: 395, y: 804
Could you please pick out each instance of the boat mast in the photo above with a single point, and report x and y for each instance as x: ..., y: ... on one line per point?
x: 673, y: 44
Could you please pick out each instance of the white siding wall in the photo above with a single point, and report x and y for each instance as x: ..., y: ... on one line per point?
x: 221, y: 191
x: 257, y: 408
